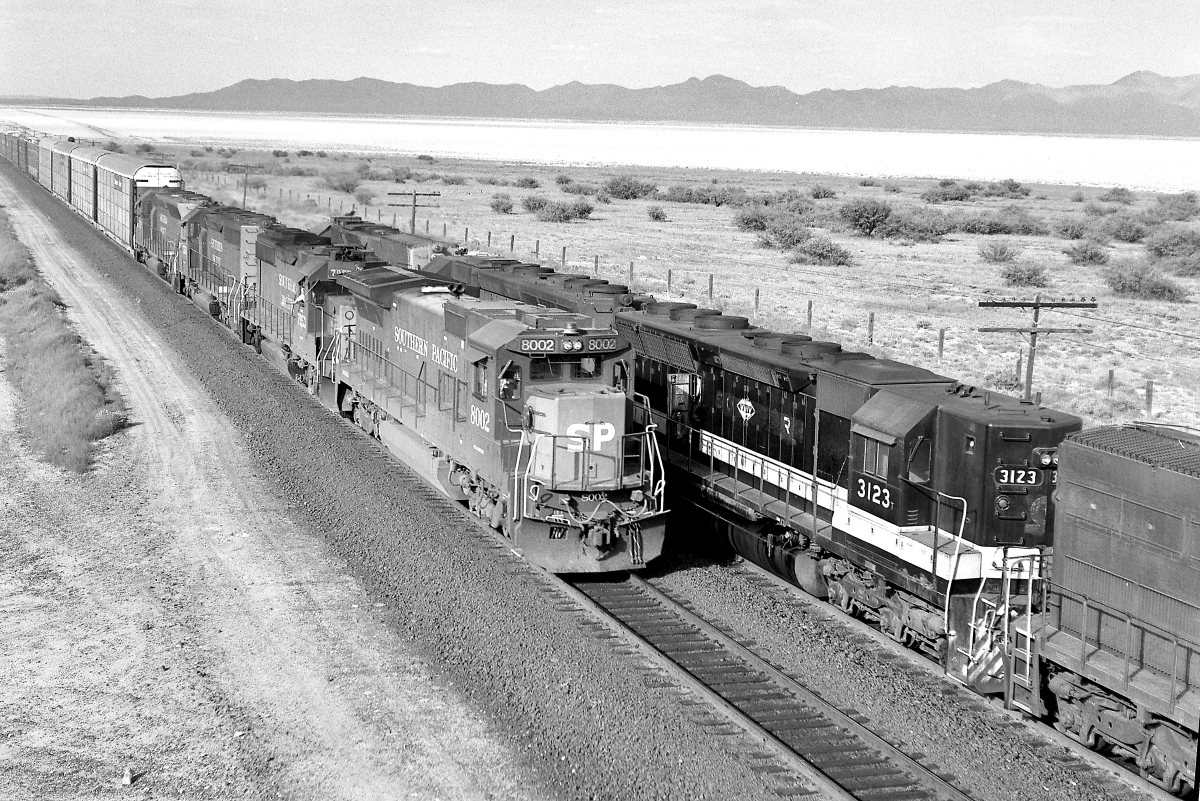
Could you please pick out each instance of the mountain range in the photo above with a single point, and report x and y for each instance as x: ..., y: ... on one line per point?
x: 1140, y: 104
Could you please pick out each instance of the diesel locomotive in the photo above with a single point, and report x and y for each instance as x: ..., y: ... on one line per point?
x: 1055, y: 566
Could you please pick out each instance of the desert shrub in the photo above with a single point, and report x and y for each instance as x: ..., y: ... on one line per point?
x: 1186, y: 265
x: 919, y: 225
x: 999, y: 251
x: 865, y: 215
x: 707, y: 195
x: 819, y: 192
x: 972, y: 186
x: 1124, y: 227
x: 656, y: 214
x: 303, y: 153
x: 820, y: 250
x: 379, y: 174
x: 1177, y: 208
x: 527, y: 183
x: 1173, y: 240
x: 1118, y: 194
x: 196, y: 153
x: 947, y: 182
x: 364, y: 196
x: 1098, y: 210
x: 563, y: 180
x: 1010, y: 220
x: 279, y: 153
x: 580, y: 189
x: 1006, y: 188
x: 501, y: 203
x: 208, y: 148
x: 534, y: 202
x: 453, y: 180
x: 145, y: 147
x: 1024, y: 274
x: 1071, y: 228
x: 868, y: 182
x: 556, y: 211
x: 293, y: 170
x: 628, y: 187
x: 490, y: 180
x: 342, y: 180
x: 893, y: 188
x: 945, y: 193
x: 1130, y: 279
x: 752, y: 218
x: 1087, y: 251
x: 1077, y: 197
x: 787, y: 229
x: 362, y: 168
x: 426, y: 159
x: 256, y: 182
x: 321, y: 154
x: 602, y: 196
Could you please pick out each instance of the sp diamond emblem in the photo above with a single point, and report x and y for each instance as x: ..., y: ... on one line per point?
x: 745, y: 409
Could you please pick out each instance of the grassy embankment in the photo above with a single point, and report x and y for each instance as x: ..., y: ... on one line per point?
x: 918, y: 254
x: 66, y: 390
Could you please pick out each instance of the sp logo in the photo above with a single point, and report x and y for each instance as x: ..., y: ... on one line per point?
x: 596, y: 433
x: 745, y: 409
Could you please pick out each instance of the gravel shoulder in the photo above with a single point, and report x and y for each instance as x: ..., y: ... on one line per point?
x: 244, y: 599
x: 166, y: 613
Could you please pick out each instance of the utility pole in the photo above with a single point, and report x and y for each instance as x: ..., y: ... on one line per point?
x: 412, y: 223
x: 1037, y: 304
x: 246, y: 168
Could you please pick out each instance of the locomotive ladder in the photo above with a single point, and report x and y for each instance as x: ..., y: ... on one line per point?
x: 1022, y: 677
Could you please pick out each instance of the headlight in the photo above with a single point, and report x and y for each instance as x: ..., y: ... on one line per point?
x: 1002, y: 503
x: 1046, y: 458
x: 1055, y: 459
x: 637, y: 496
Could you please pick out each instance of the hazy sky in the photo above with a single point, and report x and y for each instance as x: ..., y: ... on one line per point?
x: 85, y: 48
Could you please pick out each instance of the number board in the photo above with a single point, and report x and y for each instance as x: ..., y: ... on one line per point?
x: 873, y: 496
x: 534, y: 345
x: 602, y: 343
x: 1011, y: 475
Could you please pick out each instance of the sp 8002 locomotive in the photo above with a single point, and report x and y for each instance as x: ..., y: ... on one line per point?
x: 1056, y: 566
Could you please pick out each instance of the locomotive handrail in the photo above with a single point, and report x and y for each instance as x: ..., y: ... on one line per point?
x: 1130, y: 622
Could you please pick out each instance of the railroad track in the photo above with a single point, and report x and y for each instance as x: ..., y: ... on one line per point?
x: 808, y: 746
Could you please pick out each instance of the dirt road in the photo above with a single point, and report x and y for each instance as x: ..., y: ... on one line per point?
x: 165, y: 613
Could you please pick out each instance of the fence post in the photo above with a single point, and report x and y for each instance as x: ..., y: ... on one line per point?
x: 595, y: 265
x: 537, y: 248
x: 710, y: 288
x: 630, y: 276
x: 810, y: 315
x: 668, y: 281
x: 1111, y: 377
x: 1149, y: 397
x: 427, y: 226
x: 466, y: 235
x: 941, y: 343
x: 393, y: 219
x: 512, y: 242
x: 756, y: 291
x: 489, y: 244
x: 871, y: 328
x: 564, y: 258
x: 444, y: 230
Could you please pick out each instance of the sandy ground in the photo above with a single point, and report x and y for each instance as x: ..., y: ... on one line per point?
x: 166, y: 614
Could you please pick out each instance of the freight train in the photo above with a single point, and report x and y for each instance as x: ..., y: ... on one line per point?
x: 523, y: 413
x: 1056, y: 566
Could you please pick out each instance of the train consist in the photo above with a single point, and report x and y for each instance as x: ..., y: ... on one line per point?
x: 1056, y: 566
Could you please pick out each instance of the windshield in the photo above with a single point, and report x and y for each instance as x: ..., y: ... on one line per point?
x: 564, y: 368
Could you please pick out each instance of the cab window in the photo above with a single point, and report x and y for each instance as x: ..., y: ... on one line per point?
x: 586, y: 368
x: 510, y: 382
x: 543, y: 370
x: 480, y: 384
